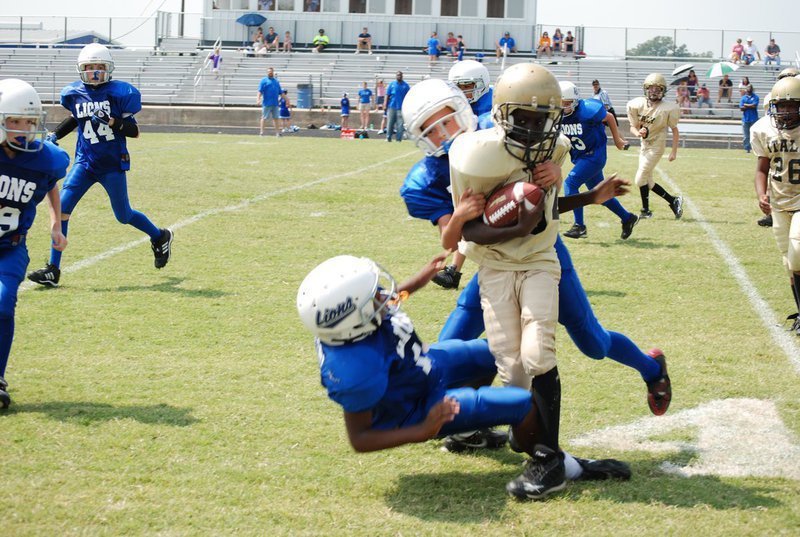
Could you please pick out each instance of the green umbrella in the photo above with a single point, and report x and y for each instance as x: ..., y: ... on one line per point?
x: 721, y: 68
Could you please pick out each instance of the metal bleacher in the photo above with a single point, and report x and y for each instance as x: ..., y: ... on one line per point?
x: 186, y: 79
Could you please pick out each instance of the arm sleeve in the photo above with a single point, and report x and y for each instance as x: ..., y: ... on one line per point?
x: 66, y: 127
x: 127, y: 127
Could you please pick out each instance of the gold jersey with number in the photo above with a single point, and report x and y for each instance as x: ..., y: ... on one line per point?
x: 655, y: 116
x: 479, y: 160
x: 782, y: 148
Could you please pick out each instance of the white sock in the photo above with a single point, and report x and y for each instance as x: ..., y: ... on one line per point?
x: 572, y: 468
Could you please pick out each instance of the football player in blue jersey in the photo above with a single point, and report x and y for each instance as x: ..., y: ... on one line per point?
x: 584, y: 123
x: 102, y: 111
x: 473, y: 79
x: 396, y: 390
x: 29, y: 170
x: 431, y: 182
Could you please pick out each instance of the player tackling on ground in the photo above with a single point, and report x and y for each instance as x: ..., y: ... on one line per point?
x: 102, y: 111
x: 776, y: 141
x: 649, y: 117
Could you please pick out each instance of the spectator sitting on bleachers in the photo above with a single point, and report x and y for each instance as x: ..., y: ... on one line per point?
x: 725, y: 88
x: 743, y: 85
x: 737, y: 51
x: 271, y: 39
x: 287, y: 42
x: 750, y: 52
x: 692, y: 83
x: 703, y: 97
x: 461, y: 48
x: 557, y: 40
x: 364, y: 41
x: 505, y: 46
x: 545, y: 46
x: 451, y: 44
x: 772, y: 54
x: 569, y: 43
x: 258, y: 42
x: 320, y: 41
x: 682, y: 98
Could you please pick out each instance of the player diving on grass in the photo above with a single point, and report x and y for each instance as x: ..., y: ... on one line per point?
x: 584, y: 123
x: 102, y: 111
x: 29, y: 171
x: 396, y: 390
x: 434, y: 114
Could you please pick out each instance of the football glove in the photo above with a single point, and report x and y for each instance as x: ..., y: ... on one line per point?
x: 52, y: 138
x: 99, y: 117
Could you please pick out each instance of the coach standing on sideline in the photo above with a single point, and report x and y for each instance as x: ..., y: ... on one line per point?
x: 395, y: 94
x: 602, y: 95
x: 269, y: 90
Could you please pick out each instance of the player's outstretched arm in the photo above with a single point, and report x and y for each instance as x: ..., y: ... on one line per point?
x: 364, y: 438
x: 675, y: 141
x: 54, y: 203
x: 619, y: 141
x: 427, y: 272
x: 610, y: 187
x: 762, y: 169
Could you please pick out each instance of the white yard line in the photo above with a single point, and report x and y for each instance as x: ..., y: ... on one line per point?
x: 89, y: 261
x: 785, y: 340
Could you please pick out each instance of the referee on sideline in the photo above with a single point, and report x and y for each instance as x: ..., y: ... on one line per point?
x: 602, y: 95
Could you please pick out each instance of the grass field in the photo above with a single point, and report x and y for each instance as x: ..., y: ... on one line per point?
x: 187, y: 401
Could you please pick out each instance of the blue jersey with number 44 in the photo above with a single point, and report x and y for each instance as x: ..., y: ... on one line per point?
x: 99, y: 148
x: 586, y: 131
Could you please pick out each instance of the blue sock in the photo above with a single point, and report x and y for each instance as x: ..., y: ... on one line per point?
x: 142, y: 223
x: 578, y: 214
x: 55, y: 255
x: 616, y: 207
x: 625, y: 351
x: 6, y: 335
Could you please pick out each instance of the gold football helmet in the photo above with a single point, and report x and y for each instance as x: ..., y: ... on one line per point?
x: 527, y: 106
x: 784, y: 105
x: 789, y: 71
x: 655, y: 87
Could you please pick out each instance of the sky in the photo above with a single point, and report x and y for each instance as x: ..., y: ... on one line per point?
x: 735, y: 15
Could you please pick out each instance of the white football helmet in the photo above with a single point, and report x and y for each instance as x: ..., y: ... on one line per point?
x: 784, y: 104
x: 345, y: 298
x: 95, y: 53
x: 527, y: 105
x: 425, y: 99
x: 471, y: 77
x: 18, y: 100
x: 569, y: 97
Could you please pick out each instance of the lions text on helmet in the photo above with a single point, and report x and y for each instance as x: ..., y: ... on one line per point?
x: 527, y: 106
x: 345, y: 298
x: 22, y: 121
x: 435, y: 112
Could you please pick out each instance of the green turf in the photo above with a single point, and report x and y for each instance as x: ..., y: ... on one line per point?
x: 187, y: 401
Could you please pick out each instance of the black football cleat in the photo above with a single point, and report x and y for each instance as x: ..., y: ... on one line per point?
x: 47, y: 276
x: 449, y: 277
x: 795, y: 318
x: 645, y: 213
x: 659, y: 391
x: 162, y: 248
x: 766, y: 221
x: 5, y: 399
x: 627, y: 226
x: 677, y: 207
x: 599, y: 470
x: 543, y: 475
x: 480, y: 439
x: 577, y: 231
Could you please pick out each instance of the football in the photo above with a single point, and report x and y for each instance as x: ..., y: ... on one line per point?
x: 502, y: 205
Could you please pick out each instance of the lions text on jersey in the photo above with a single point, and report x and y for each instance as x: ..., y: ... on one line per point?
x: 100, y: 149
